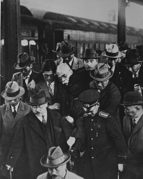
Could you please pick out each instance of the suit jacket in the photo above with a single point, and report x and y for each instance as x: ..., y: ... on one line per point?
x: 31, y: 144
x: 69, y: 175
x: 18, y: 77
x: 105, y: 147
x: 76, y: 64
x: 8, y: 127
x: 110, y: 100
x: 134, y: 140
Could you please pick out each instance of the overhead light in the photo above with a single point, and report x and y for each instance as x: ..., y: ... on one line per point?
x: 32, y: 42
x: 24, y: 42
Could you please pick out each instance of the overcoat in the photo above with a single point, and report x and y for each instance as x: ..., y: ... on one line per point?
x: 8, y: 127
x: 134, y: 139
x: 105, y: 147
x: 31, y: 144
x: 110, y: 100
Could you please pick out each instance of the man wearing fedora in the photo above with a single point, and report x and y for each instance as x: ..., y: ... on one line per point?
x: 37, y: 132
x: 109, y: 93
x: 11, y: 113
x: 26, y: 73
x: 56, y: 163
x: 66, y: 53
x: 105, y: 146
x: 133, y: 130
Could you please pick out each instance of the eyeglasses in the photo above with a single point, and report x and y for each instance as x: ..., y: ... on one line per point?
x: 58, y: 169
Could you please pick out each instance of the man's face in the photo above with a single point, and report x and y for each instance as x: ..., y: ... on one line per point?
x: 39, y: 110
x: 91, y: 109
x: 90, y: 64
x: 134, y: 68
x: 48, y: 76
x: 130, y: 111
x: 13, y: 102
x: 68, y: 59
x: 58, y: 172
x: 112, y: 62
x: 101, y: 85
x: 65, y: 77
x: 27, y: 70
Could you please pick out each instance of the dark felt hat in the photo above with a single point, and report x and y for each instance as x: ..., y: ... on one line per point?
x: 37, y: 97
x: 131, y: 58
x: 89, y: 96
x: 132, y: 98
x: 55, y: 158
x: 90, y: 53
x: 101, y: 72
x: 23, y: 60
x: 66, y: 49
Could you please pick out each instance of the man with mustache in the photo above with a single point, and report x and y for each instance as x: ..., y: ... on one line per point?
x: 56, y: 162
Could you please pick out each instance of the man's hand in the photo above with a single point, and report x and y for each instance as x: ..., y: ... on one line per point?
x: 120, y: 167
x: 137, y: 87
x: 31, y: 85
x: 69, y: 119
x: 55, y: 106
x: 71, y: 141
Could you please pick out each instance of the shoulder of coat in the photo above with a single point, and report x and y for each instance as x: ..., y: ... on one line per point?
x: 103, y: 114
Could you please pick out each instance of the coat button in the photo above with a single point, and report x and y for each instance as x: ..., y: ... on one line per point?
x: 92, y: 157
x: 91, y: 138
x: 92, y: 120
x: 91, y: 129
x: 92, y: 148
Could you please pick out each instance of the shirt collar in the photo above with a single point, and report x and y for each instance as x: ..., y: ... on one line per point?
x: 28, y: 76
x: 16, y: 107
x: 41, y: 118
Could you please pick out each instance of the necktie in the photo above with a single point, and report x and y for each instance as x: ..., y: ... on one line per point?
x: 50, y: 89
x: 133, y: 123
x: 44, y: 120
x: 14, y: 111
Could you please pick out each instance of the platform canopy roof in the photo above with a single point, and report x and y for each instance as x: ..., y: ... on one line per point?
x: 140, y: 2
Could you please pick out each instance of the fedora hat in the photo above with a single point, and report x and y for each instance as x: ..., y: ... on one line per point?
x: 54, y: 158
x: 37, y: 97
x: 90, y: 53
x: 131, y: 58
x: 132, y: 98
x: 89, y: 96
x: 66, y: 49
x: 23, y: 60
x: 101, y: 72
x: 112, y: 51
x: 12, y: 91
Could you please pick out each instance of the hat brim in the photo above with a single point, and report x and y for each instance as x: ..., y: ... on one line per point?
x: 101, y: 79
x: 117, y: 56
x: 44, y: 162
x: 17, y: 67
x: 129, y: 64
x: 60, y: 54
x: 21, y: 92
x: 131, y: 104
x: 36, y: 104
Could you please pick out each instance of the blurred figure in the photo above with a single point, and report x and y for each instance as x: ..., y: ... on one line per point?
x: 56, y: 164
x: 11, y: 114
x: 66, y: 53
x: 25, y: 66
x: 105, y: 147
x: 133, y: 130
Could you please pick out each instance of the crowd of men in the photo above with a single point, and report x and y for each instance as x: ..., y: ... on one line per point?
x: 76, y: 118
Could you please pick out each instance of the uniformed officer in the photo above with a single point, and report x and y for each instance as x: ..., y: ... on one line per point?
x: 105, y: 147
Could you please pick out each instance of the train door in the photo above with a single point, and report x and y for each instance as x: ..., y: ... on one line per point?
x: 58, y: 37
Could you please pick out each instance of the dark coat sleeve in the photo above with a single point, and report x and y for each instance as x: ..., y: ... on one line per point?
x: 117, y: 137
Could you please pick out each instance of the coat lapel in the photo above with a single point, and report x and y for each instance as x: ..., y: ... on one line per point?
x: 137, y: 128
x: 34, y: 125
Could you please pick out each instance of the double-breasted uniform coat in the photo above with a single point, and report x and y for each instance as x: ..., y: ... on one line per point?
x: 105, y: 147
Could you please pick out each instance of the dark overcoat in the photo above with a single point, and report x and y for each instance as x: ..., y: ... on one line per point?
x: 134, y: 139
x: 105, y: 147
x: 30, y: 145
x: 110, y: 100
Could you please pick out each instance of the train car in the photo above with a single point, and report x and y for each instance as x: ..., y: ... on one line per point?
x: 41, y: 30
